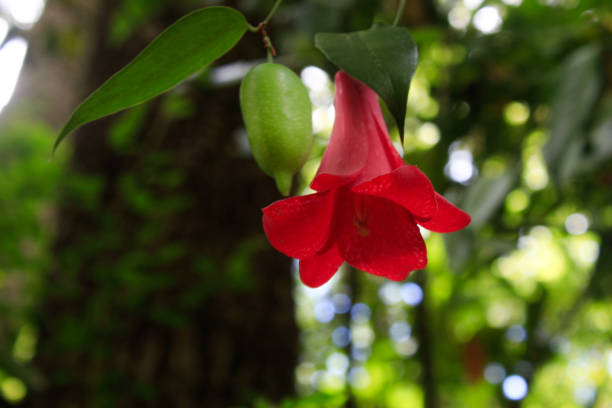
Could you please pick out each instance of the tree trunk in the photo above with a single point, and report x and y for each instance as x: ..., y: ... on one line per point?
x: 165, y: 292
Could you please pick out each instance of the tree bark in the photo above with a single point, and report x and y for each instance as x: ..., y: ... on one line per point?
x: 165, y: 292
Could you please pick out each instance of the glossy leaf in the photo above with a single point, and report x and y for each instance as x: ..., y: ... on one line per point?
x: 181, y: 50
x: 383, y: 57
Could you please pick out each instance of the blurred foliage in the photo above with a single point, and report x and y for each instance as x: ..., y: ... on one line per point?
x: 515, y: 126
x: 28, y: 190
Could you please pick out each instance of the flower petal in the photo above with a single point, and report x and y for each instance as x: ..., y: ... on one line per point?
x: 300, y: 226
x: 448, y: 218
x: 347, y: 151
x: 318, y: 269
x: 380, y: 237
x: 407, y: 186
x: 359, y: 148
x: 382, y: 156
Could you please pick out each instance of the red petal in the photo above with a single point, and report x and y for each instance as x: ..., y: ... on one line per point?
x: 318, y: 269
x: 359, y: 148
x: 380, y: 237
x: 300, y: 226
x: 407, y: 186
x: 382, y: 157
x: 448, y: 218
x: 347, y: 151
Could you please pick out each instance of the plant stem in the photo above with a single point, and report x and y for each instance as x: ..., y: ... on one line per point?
x: 261, y: 28
x: 267, y: 19
x: 272, y: 11
x: 400, y: 10
x: 267, y: 42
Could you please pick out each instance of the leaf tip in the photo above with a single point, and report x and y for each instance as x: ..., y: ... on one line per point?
x: 62, y: 135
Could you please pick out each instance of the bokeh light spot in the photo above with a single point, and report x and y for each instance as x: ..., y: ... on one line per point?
x: 499, y: 314
x: 360, y: 313
x: 13, y: 389
x: 516, y: 333
x: 359, y: 377
x: 400, y: 331
x: 12, y: 55
x: 585, y: 395
x: 515, y: 387
x: 24, y: 347
x: 337, y: 363
x: 314, y: 78
x: 411, y: 293
x: 4, y: 29
x: 472, y: 4
x: 390, y: 293
x: 583, y: 250
x: 25, y: 13
x: 362, y: 336
x: 516, y: 113
x: 494, y: 373
x: 304, y: 372
x: 487, y: 20
x: 324, y: 310
x: 576, y: 224
x: 459, y: 17
x: 360, y: 353
x: 428, y: 135
x: 341, y: 336
x: 406, y: 347
x: 517, y: 201
x: 460, y: 167
x: 342, y: 303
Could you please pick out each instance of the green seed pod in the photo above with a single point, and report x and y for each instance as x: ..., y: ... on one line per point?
x: 278, y: 117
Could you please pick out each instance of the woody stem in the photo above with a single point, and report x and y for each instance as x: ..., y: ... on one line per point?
x: 267, y: 42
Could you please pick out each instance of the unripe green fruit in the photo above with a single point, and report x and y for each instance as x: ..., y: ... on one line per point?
x: 278, y: 117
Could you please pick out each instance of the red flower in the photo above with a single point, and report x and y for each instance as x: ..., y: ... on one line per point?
x: 368, y: 202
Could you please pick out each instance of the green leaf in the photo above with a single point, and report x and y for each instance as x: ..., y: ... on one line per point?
x: 579, y: 87
x: 383, y: 57
x: 181, y: 50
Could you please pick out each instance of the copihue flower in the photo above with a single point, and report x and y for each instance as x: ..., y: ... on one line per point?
x: 368, y: 202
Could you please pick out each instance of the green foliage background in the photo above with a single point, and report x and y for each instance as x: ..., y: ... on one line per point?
x: 532, y: 103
